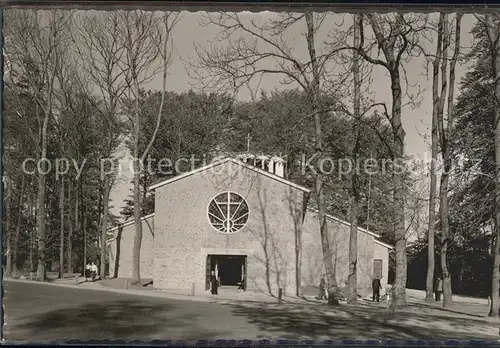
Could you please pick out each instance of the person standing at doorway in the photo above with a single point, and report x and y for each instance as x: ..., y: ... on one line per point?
x: 439, y: 289
x: 376, y: 286
x: 213, y: 283
x: 241, y: 284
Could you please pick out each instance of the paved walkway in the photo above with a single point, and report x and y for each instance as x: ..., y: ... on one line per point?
x: 224, y: 296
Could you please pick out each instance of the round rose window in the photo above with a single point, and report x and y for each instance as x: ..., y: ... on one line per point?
x: 228, y: 212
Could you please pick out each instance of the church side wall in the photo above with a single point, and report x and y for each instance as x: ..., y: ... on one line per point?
x: 185, y: 236
x: 126, y: 246
x: 312, y: 260
x: 382, y: 253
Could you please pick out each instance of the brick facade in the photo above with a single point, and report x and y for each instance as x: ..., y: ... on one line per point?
x: 339, y: 231
x: 124, y: 242
x: 184, y: 236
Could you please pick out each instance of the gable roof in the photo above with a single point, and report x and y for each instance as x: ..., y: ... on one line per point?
x: 130, y: 222
x: 333, y: 218
x: 234, y: 161
x: 374, y: 235
x: 388, y: 246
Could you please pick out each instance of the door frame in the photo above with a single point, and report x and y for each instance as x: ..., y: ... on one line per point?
x: 209, y: 263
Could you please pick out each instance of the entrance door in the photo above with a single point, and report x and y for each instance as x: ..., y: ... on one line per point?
x: 231, y: 269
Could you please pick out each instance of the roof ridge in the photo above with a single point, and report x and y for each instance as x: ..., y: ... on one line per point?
x: 222, y: 161
x: 332, y: 217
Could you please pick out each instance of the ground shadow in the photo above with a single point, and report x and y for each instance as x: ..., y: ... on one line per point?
x: 122, y: 319
x: 45, y: 313
x: 464, y: 309
x: 355, y: 322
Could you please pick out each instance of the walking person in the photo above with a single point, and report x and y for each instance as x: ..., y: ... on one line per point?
x: 439, y: 289
x: 213, y: 283
x: 376, y: 286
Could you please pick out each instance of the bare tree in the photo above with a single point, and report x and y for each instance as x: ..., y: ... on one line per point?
x: 314, y: 94
x: 144, y: 40
x: 254, y: 48
x: 100, y: 50
x: 353, y: 177
x: 429, y: 297
x: 491, y: 25
x: 37, y: 37
x: 444, y: 135
x: 436, y: 104
x: 396, y: 36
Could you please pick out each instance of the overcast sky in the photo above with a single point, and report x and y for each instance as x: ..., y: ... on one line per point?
x: 415, y: 121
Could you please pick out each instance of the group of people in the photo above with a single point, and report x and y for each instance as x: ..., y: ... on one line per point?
x: 90, y: 271
x: 376, y: 287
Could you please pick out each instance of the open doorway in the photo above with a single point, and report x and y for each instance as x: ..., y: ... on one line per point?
x: 231, y: 270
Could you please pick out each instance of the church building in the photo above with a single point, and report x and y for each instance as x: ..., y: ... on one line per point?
x: 240, y: 218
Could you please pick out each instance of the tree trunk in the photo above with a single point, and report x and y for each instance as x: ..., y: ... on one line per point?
x: 8, y: 234
x: 70, y: 231
x: 41, y: 272
x: 104, y: 225
x: 399, y: 201
x: 100, y: 206
x: 298, y: 217
x: 492, y: 30
x: 443, y: 188
x: 352, y: 282
x: 429, y: 295
x: 136, y: 252
x: 84, y: 240
x: 118, y: 251
x: 61, y: 239
x: 447, y: 162
x: 298, y: 261
x: 144, y: 191
x: 82, y: 218
x: 138, y: 160
x: 314, y: 91
x: 32, y: 218
x: 392, y: 64
x: 77, y: 211
x: 443, y: 209
x: 18, y: 226
x: 495, y: 277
